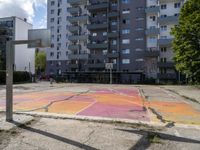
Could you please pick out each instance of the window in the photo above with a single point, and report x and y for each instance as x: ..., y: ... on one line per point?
x: 125, y: 61
x: 113, y: 23
x: 126, y: 21
x: 139, y: 29
x: 126, y: 51
x: 126, y: 11
x: 152, y: 39
x: 52, y: 54
x: 52, y: 19
x: 114, y: 42
x: 126, y: 41
x: 177, y: 5
x: 153, y: 18
x: 52, y: 3
x: 163, y: 16
x: 139, y: 60
x: 94, y: 34
x: 138, y: 49
x: 163, y: 49
x: 104, y: 33
x: 126, y: 31
x: 125, y: 1
x: 164, y: 6
x: 139, y: 39
x: 52, y: 11
x: 139, y: 18
x: 163, y: 59
x: 163, y: 28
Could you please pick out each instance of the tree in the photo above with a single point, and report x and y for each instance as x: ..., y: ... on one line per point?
x: 40, y: 62
x: 186, y: 42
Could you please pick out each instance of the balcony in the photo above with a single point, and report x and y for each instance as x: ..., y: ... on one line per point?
x: 152, y: 31
x: 97, y: 7
x: 155, y: 53
x: 168, y: 1
x: 77, y: 2
x: 78, y: 18
x: 97, y: 26
x: 165, y: 42
x: 74, y: 47
x: 168, y: 20
x: 113, y: 14
x: 74, y: 10
x: 167, y: 76
x: 166, y: 64
x: 97, y: 46
x: 78, y: 56
x: 151, y: 10
x: 113, y: 55
x: 96, y: 65
x: 73, y: 66
x: 78, y: 37
x: 74, y: 28
x: 113, y: 35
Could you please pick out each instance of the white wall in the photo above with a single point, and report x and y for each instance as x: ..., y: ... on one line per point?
x: 24, y: 57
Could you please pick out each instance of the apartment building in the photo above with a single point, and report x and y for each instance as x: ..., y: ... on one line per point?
x: 161, y: 16
x: 14, y: 28
x: 134, y: 35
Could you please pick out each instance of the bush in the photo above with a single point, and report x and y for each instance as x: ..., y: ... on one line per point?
x: 18, y: 77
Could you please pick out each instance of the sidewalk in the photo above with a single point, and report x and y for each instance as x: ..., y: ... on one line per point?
x: 61, y: 134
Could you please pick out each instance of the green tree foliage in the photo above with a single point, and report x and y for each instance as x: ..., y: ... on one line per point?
x: 186, y: 44
x: 40, y: 62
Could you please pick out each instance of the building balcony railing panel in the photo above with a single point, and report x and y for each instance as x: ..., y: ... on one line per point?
x: 97, y: 26
x: 74, y: 10
x: 77, y: 2
x: 151, y: 10
x: 96, y: 7
x: 152, y: 31
x: 167, y: 76
x: 166, y: 64
x: 75, y: 19
x: 113, y: 55
x: 74, y: 28
x: 78, y: 56
x: 168, y: 20
x: 78, y: 37
x: 96, y: 65
x: 97, y: 46
x: 113, y: 14
x: 165, y: 42
x: 113, y: 35
x: 74, y: 47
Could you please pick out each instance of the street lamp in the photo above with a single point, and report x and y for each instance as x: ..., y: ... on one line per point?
x: 36, y: 38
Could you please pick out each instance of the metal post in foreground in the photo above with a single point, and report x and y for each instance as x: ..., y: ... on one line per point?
x: 9, y: 80
x: 110, y: 76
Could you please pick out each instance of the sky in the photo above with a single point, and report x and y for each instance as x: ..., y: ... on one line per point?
x: 33, y: 10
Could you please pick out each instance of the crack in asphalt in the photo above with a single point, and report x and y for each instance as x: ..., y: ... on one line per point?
x: 46, y: 108
x: 169, y: 124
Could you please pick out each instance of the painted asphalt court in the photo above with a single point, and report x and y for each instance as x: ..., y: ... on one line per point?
x: 112, y: 102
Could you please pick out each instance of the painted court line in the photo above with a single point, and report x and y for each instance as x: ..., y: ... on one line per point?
x: 86, y: 107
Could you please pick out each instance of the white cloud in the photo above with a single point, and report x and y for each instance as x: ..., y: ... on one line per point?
x: 20, y: 8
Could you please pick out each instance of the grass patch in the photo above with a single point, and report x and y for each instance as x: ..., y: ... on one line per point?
x: 153, y: 138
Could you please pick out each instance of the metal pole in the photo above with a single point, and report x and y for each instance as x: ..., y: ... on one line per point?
x: 110, y: 76
x: 9, y: 80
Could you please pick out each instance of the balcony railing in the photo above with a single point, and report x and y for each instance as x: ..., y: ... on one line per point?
x: 168, y: 20
x: 97, y: 6
x: 151, y: 10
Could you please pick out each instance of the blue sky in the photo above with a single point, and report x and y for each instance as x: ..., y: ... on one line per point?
x: 39, y: 21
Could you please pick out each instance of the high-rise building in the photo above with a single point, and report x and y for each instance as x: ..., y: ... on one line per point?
x: 14, y: 28
x: 134, y: 35
x: 161, y: 16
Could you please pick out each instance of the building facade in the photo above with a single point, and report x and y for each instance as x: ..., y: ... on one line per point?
x: 14, y: 28
x: 134, y: 35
